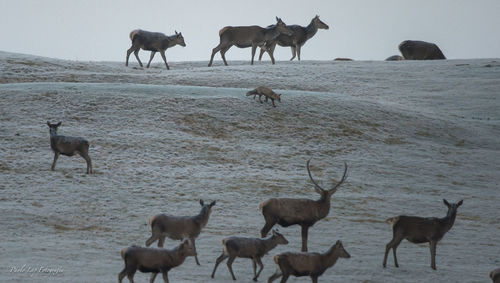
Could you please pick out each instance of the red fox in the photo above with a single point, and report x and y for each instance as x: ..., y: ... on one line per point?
x: 265, y: 91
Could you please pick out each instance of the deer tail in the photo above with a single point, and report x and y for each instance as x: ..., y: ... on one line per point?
x: 122, y: 253
x: 392, y: 220
x: 222, y: 30
x: 133, y: 33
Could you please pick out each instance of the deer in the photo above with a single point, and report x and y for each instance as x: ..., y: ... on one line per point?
x: 154, y: 260
x: 179, y: 227
x: 296, y: 40
x: 421, y: 230
x: 307, y: 264
x: 495, y: 275
x: 253, y: 248
x: 68, y: 146
x: 302, y: 212
x: 154, y: 42
x: 248, y: 36
x: 266, y: 92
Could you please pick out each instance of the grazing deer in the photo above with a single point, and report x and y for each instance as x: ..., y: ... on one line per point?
x: 296, y: 40
x: 153, y: 260
x: 307, y: 264
x: 179, y: 227
x: 247, y: 36
x: 265, y: 91
x: 253, y: 248
x: 68, y: 146
x: 421, y: 230
x: 495, y: 275
x: 303, y: 212
x: 154, y: 42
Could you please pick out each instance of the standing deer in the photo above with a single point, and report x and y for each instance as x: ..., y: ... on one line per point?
x: 307, y: 264
x: 247, y: 36
x: 253, y: 248
x: 68, y: 146
x: 421, y: 230
x: 154, y: 42
x: 179, y: 227
x: 296, y: 40
x: 303, y: 212
x: 153, y: 260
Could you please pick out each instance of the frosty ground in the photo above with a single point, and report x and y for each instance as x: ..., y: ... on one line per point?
x: 412, y: 134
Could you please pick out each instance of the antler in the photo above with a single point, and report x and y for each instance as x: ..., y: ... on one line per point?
x: 344, y: 177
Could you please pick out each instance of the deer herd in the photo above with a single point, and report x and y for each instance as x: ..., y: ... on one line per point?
x: 282, y: 211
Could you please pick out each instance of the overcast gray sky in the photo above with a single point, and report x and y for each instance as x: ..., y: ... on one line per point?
x: 98, y: 30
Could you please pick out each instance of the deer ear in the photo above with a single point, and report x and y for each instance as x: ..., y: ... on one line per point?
x: 176, y: 32
x: 48, y: 123
x: 58, y: 124
x: 460, y: 203
x: 201, y: 202
x: 213, y: 203
x: 446, y: 203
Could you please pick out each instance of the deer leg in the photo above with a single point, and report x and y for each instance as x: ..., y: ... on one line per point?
x: 262, y: 50
x: 85, y: 154
x: 260, y: 100
x: 136, y: 53
x: 162, y: 53
x: 151, y: 239
x: 165, y: 275
x: 432, y: 245
x: 151, y: 58
x: 153, y: 277
x: 272, y: 100
x: 122, y: 274
x: 314, y: 279
x: 214, y: 51
x: 305, y: 230
x: 254, y: 265
x: 161, y: 240
x: 56, y: 156
x: 284, y: 278
x: 130, y: 275
x: 298, y: 51
x: 223, y: 54
x: 261, y: 266
x: 393, y: 244
x: 293, y: 53
x: 275, y: 276
x: 230, y: 265
x: 195, y: 252
x: 220, y: 259
x: 129, y: 51
x: 254, y: 47
x: 269, y: 222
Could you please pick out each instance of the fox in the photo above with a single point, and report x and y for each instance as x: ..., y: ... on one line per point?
x: 266, y: 92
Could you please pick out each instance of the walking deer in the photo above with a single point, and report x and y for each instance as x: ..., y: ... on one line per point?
x: 253, y: 248
x: 154, y: 42
x: 68, y: 146
x: 179, y: 227
x: 296, y: 40
x: 303, y: 212
x: 421, y: 230
x: 153, y: 260
x: 247, y: 36
x: 307, y: 264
